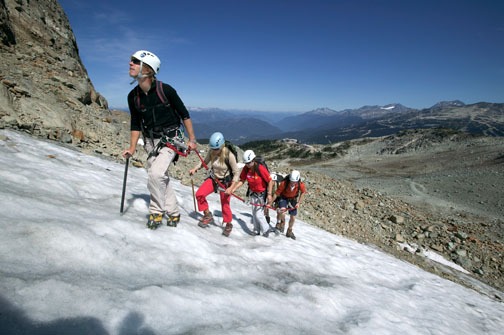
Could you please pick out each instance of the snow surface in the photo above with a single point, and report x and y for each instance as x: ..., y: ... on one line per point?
x: 71, y: 264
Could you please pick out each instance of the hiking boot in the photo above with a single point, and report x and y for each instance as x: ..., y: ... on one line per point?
x: 266, y: 233
x: 155, y: 220
x: 280, y: 226
x: 274, y: 231
x: 290, y: 234
x: 227, y: 229
x: 205, y: 220
x: 172, y: 221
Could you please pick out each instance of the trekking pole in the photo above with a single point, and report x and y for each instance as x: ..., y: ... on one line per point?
x: 124, y: 183
x: 193, y: 197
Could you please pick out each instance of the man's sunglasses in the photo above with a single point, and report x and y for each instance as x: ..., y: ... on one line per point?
x: 136, y: 61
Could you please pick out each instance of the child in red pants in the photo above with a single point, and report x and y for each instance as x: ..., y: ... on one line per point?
x: 223, y: 170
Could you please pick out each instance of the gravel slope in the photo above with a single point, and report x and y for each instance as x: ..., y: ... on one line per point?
x: 409, y: 195
x: 453, y: 184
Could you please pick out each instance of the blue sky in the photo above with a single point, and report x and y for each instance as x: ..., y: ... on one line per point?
x: 298, y: 55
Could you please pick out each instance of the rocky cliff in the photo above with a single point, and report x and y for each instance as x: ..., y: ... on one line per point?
x: 45, y: 89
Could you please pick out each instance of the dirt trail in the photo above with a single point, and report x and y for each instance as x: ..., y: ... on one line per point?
x: 466, y: 175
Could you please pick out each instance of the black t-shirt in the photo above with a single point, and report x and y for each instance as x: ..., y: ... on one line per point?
x: 153, y: 114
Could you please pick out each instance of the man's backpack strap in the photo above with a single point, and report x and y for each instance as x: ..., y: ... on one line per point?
x: 160, y: 93
x: 137, y: 99
x: 164, y: 100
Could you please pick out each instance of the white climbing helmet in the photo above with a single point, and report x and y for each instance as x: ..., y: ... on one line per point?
x: 248, y: 156
x: 274, y: 176
x: 216, y: 140
x: 294, y: 175
x: 148, y: 58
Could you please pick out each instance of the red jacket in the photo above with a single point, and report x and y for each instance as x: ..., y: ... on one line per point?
x: 256, y: 182
x: 289, y: 190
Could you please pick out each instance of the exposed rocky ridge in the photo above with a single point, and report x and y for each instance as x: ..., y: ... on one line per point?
x: 45, y: 89
x: 46, y: 92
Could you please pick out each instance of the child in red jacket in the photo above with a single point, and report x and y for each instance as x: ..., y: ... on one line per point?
x: 290, y: 193
x: 260, y: 182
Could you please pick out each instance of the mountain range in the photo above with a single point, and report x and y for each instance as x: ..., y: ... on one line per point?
x: 324, y: 125
x: 46, y: 91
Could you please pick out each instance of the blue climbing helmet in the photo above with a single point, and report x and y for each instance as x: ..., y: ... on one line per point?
x: 216, y: 140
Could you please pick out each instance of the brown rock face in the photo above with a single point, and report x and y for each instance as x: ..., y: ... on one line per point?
x: 45, y: 89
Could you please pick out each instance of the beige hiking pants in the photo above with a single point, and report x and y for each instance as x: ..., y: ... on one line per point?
x: 162, y: 196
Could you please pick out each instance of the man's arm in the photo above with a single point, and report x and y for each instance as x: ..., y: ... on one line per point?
x: 135, y: 135
x: 190, y: 132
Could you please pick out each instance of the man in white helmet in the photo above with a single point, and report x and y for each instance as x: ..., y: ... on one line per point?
x: 290, y: 192
x: 159, y: 122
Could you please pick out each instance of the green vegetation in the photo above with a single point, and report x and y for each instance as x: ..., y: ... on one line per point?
x: 446, y: 132
x: 439, y: 132
x: 299, y: 154
x: 264, y: 146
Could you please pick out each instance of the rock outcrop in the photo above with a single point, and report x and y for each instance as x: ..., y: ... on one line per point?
x: 45, y: 89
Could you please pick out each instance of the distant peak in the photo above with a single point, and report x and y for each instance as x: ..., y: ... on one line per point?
x: 323, y: 111
x: 452, y: 103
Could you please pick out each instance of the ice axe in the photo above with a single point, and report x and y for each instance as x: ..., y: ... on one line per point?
x: 193, y: 197
x: 124, y: 183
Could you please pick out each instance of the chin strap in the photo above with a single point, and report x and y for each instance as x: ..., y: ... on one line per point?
x: 140, y: 75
